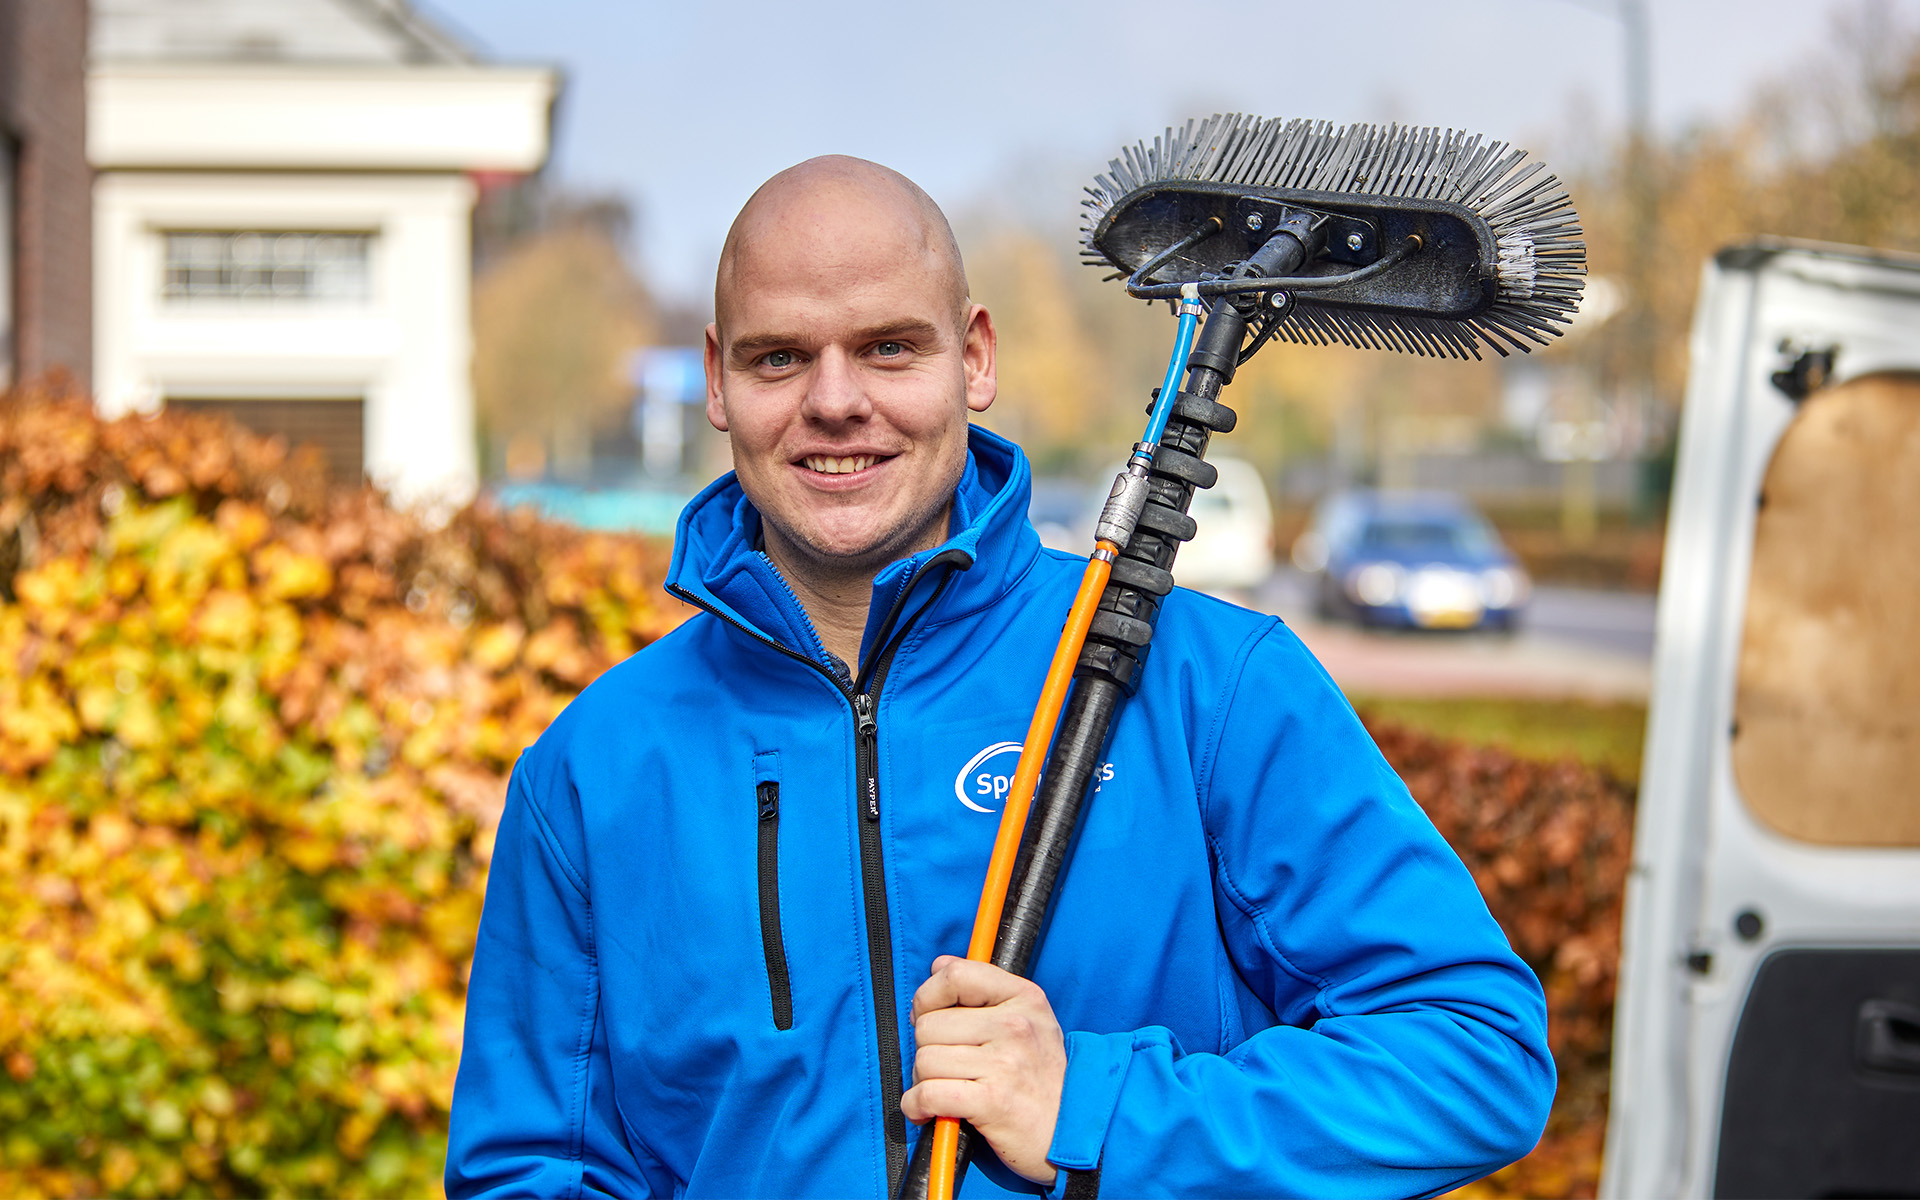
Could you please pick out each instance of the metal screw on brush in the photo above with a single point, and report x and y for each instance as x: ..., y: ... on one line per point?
x: 1355, y: 241
x: 1255, y: 221
x: 1276, y: 300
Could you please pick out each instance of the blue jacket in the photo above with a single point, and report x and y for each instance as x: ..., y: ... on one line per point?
x: 723, y: 871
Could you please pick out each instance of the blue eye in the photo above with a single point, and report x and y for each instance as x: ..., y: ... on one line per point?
x: 778, y: 359
x: 889, y: 349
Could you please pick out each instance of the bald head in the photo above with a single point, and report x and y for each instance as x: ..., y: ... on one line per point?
x: 842, y: 364
x: 828, y: 214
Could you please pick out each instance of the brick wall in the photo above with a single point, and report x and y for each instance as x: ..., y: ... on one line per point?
x: 43, y: 49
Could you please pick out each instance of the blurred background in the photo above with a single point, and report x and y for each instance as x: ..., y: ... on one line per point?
x: 353, y: 356
x: 466, y: 246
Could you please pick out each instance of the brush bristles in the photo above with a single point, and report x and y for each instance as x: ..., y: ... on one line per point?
x: 1541, y: 259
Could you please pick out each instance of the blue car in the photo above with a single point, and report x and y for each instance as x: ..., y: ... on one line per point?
x: 1414, y: 560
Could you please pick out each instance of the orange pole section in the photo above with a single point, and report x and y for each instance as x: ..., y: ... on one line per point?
x: 1033, y: 755
x: 1013, y: 818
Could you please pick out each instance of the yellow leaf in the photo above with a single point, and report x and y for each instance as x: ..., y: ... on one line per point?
x: 495, y: 646
x: 311, y: 854
x: 286, y: 574
x: 97, y: 705
x: 185, y: 562
x: 227, y: 618
x: 48, y: 594
x: 245, y: 524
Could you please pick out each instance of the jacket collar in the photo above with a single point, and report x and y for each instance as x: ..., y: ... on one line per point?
x: 716, y: 563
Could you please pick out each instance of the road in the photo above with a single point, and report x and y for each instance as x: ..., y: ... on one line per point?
x: 1621, y: 622
x: 1574, y: 643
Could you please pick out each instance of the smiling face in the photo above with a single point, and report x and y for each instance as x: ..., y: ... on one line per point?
x: 842, y: 365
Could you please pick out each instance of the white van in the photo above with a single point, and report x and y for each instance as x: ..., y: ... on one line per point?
x: 1767, y: 1038
x: 1234, y: 547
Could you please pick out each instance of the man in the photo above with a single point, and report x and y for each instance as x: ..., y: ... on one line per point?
x: 715, y: 957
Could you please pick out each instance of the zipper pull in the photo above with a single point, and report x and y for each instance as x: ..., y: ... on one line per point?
x: 869, y: 732
x: 769, y: 801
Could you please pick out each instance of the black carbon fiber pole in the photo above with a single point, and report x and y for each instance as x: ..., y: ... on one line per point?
x: 1117, y: 644
x: 1109, y: 668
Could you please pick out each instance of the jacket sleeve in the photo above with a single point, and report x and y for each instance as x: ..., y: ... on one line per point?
x: 1410, y: 1053
x: 533, y: 1111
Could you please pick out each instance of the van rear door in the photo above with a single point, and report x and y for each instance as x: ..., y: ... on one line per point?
x: 1767, y: 1039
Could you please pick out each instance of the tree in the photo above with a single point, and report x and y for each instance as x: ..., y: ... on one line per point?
x: 1831, y: 153
x: 553, y: 322
x: 1056, y: 385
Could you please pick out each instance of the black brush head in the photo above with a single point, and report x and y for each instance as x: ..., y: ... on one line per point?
x: 1425, y: 240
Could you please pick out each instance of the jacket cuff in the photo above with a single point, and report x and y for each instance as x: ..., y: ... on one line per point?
x: 1096, y: 1067
x: 1074, y: 1185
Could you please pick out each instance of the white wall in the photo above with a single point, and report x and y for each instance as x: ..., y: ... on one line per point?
x: 251, y: 116
x: 406, y: 349
x: 378, y: 149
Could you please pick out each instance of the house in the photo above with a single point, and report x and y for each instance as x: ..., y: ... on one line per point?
x: 283, y: 221
x: 46, y: 318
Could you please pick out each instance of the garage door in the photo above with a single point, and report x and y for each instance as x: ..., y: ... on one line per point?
x: 335, y: 427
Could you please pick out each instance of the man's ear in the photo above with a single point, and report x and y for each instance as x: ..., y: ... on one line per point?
x: 716, y: 410
x: 977, y: 353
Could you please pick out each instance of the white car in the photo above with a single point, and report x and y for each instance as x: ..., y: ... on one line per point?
x: 1234, y: 546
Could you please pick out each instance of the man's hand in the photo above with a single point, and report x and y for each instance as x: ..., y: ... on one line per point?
x: 989, y: 1052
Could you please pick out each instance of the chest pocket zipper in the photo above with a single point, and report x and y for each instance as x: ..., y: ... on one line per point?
x: 767, y: 793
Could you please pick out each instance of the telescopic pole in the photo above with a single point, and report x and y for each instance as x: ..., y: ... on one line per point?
x: 1160, y: 482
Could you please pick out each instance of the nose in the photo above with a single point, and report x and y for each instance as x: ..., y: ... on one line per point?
x: 835, y: 392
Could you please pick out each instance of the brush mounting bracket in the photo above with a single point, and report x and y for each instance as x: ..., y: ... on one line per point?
x: 1444, y: 256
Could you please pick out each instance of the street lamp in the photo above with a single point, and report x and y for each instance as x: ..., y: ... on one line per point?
x: 1641, y: 237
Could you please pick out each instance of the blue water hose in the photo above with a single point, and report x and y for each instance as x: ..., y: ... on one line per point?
x: 1129, y: 495
x: 1190, y: 310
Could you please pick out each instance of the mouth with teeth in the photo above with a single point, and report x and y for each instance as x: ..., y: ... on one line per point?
x: 827, y: 464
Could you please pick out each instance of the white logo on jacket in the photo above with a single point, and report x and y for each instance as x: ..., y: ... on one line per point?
x: 988, y: 777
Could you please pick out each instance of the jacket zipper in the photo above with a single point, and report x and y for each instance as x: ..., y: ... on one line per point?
x: 873, y: 882
x: 873, y: 887
x: 819, y: 648
x: 873, y: 876
x: 768, y: 800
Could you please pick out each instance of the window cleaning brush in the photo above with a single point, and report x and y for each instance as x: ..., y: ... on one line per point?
x: 1429, y: 240
x: 1421, y: 240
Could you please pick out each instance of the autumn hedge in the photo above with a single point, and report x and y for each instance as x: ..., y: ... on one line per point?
x: 1549, y: 845
x: 254, y: 737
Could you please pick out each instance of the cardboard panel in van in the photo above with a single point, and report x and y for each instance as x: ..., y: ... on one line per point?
x: 1827, y: 705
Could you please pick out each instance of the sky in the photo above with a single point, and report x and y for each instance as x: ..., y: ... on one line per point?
x: 1008, y: 107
